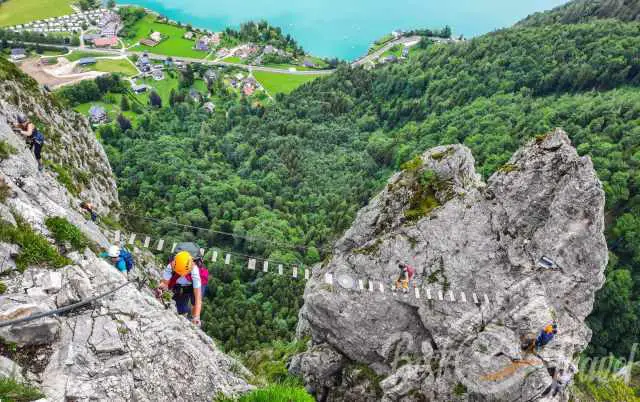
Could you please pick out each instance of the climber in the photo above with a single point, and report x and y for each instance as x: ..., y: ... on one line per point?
x: 406, y: 275
x: 182, y: 277
x: 561, y: 378
x: 87, y: 206
x: 197, y: 256
x: 121, y: 258
x: 34, y: 137
x: 546, y: 335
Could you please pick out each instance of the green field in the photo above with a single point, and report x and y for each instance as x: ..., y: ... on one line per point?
x: 394, y: 51
x: 233, y: 59
x: 276, y: 83
x: 122, y: 66
x: 13, y: 12
x: 175, y: 45
x: 77, y: 55
x: 163, y: 88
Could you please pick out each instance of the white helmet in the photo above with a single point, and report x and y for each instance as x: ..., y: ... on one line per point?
x: 114, y: 251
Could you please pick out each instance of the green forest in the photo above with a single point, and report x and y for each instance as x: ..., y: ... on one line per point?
x: 296, y: 172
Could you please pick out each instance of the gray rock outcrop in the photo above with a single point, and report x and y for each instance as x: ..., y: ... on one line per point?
x: 483, y: 286
x: 124, y: 347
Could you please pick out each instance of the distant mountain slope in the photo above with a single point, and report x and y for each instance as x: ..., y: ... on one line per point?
x: 585, y: 10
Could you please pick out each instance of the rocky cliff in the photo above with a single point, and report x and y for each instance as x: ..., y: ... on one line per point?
x: 495, y: 263
x: 125, y: 346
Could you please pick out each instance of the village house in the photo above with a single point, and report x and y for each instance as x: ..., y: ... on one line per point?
x: 397, y: 33
x: 188, y: 35
x: 270, y: 50
x: 148, y: 42
x: 156, y: 36
x: 209, y: 107
x: 97, y: 114
x: 195, y: 95
x: 18, y: 54
x: 210, y: 76
x: 248, y: 89
x: 139, y: 88
x: 390, y: 59
x: 202, y: 43
x: 86, y: 61
x: 216, y: 38
x: 89, y: 38
x: 222, y: 52
x: 158, y: 75
x: 405, y: 52
x: 106, y: 42
x: 308, y: 63
x: 143, y: 63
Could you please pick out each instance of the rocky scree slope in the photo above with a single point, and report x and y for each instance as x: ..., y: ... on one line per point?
x: 123, y: 347
x: 464, y: 236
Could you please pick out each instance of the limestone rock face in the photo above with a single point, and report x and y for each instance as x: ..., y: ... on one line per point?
x: 483, y: 286
x: 124, y: 347
x: 70, y: 150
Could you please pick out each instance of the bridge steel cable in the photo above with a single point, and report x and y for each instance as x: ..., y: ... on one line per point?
x: 234, y: 235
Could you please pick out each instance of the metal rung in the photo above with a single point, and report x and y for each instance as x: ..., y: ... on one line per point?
x: 280, y: 269
x: 160, y: 245
x: 307, y: 274
x: 116, y: 237
x: 417, y: 292
x: 132, y: 238
x: 451, y: 296
x: 295, y: 272
x: 360, y: 284
x: 475, y: 299
x: 252, y: 264
x: 214, y: 256
x: 227, y: 259
x: 440, y: 295
x: 265, y: 266
x: 463, y: 297
x: 173, y: 248
x: 147, y: 240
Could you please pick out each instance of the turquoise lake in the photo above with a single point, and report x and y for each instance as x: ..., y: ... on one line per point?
x: 346, y: 28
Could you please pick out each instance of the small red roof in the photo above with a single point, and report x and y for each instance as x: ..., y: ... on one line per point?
x: 110, y: 41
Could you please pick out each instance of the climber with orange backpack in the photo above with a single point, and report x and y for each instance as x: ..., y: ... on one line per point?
x: 183, y: 277
x: 406, y: 275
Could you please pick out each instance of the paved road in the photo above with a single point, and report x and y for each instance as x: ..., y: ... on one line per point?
x: 366, y: 59
x: 375, y: 55
x: 119, y: 52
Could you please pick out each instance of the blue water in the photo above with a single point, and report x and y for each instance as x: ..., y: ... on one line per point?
x: 345, y: 28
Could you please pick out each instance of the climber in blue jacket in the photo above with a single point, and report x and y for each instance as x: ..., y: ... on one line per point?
x: 546, y: 335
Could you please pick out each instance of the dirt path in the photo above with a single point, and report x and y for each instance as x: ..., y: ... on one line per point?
x: 55, y: 76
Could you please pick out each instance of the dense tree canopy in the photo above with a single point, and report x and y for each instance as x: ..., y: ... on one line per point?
x: 297, y: 172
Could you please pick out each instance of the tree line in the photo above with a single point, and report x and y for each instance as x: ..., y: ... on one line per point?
x: 297, y: 172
